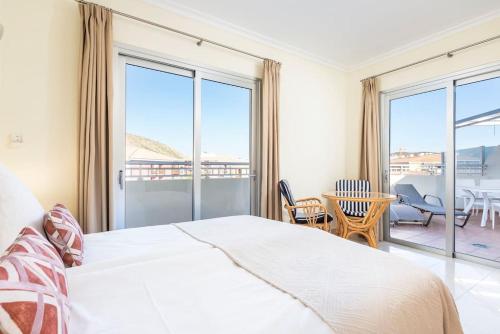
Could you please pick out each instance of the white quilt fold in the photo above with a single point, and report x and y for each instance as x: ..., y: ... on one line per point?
x: 353, y: 288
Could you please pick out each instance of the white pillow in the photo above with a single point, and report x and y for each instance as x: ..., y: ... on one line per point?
x: 18, y: 208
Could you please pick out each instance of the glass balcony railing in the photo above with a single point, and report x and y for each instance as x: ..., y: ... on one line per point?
x: 144, y: 170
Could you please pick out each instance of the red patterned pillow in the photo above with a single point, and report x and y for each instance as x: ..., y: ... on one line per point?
x: 64, y: 232
x: 33, y: 291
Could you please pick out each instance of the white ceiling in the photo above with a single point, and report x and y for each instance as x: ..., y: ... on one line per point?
x: 340, y: 32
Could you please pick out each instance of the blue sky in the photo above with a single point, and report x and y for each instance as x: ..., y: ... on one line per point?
x: 225, y: 119
x: 160, y: 106
x: 418, y: 121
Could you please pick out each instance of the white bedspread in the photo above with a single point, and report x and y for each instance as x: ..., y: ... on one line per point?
x: 160, y: 280
x: 355, y: 289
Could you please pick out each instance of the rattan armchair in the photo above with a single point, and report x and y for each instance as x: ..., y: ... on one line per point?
x: 306, y: 211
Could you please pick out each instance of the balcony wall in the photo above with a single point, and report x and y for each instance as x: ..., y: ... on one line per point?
x: 168, y: 201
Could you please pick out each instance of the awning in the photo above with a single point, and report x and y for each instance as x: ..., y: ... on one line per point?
x: 485, y: 119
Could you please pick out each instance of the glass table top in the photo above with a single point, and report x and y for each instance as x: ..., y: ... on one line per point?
x: 359, y: 196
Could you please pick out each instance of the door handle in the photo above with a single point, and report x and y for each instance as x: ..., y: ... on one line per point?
x: 120, y: 179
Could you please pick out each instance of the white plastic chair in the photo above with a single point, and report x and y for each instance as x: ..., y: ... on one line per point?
x: 494, y: 198
x: 495, y: 206
x: 471, y: 200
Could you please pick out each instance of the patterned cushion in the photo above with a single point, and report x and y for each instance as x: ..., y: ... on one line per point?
x: 355, y: 213
x: 64, y: 232
x: 350, y: 208
x: 33, y: 291
x: 30, y: 241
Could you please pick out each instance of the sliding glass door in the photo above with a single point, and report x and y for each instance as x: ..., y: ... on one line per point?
x: 442, y: 158
x: 416, y: 166
x: 158, y: 173
x: 225, y: 149
x: 477, y: 142
x: 183, y: 144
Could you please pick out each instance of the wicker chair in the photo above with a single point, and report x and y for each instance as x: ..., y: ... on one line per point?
x: 306, y: 211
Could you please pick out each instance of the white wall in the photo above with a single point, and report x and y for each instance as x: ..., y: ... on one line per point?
x: 40, y: 59
x: 474, y: 57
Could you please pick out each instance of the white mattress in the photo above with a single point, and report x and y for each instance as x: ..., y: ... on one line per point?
x: 144, y: 281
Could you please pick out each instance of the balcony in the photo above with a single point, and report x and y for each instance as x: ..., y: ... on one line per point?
x: 148, y: 170
x: 159, y: 192
x: 476, y: 168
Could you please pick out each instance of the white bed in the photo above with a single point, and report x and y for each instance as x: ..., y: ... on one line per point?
x: 161, y: 279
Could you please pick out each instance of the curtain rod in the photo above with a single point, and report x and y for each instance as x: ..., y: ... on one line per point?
x: 200, y: 39
x: 448, y: 54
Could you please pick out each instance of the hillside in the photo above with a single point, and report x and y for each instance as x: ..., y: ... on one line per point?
x: 142, y: 148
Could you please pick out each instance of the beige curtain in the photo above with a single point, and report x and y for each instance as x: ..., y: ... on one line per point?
x: 95, y: 118
x: 370, y: 136
x: 270, y: 199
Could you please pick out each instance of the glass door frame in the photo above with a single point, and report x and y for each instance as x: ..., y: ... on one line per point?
x: 124, y: 55
x: 449, y: 83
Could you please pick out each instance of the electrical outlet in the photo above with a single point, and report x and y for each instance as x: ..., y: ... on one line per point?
x: 16, y: 139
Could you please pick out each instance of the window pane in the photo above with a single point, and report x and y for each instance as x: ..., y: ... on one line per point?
x: 417, y: 145
x: 159, y: 146
x: 225, y: 143
x: 477, y: 178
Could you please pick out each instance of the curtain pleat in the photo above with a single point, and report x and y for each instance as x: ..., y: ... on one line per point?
x: 95, y: 118
x: 270, y: 199
x: 370, y: 136
x: 370, y: 139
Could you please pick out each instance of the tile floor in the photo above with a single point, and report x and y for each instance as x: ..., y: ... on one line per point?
x: 472, y: 239
x: 476, y: 288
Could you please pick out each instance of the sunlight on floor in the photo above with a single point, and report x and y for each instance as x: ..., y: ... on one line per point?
x: 476, y: 287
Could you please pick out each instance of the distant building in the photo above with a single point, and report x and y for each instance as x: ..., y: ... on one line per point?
x: 416, y: 163
x: 474, y: 161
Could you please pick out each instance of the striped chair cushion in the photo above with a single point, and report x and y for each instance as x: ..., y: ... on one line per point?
x: 33, y: 290
x: 64, y: 232
x: 356, y: 209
